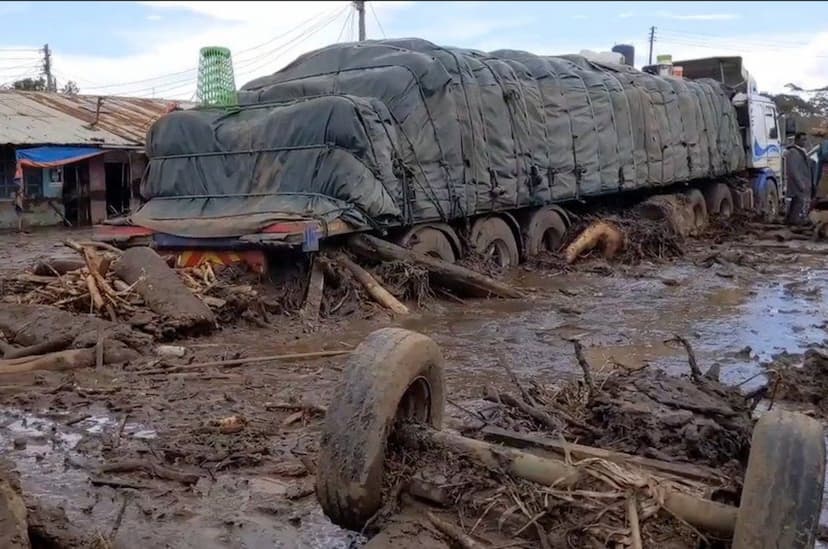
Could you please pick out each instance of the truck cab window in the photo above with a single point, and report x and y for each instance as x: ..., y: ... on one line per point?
x: 770, y: 124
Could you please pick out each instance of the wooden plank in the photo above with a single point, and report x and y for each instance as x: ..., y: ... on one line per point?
x: 316, y: 288
x: 522, y: 440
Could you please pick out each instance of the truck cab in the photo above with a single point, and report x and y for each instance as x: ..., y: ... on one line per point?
x: 763, y: 134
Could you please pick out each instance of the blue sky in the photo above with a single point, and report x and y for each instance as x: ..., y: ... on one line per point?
x: 151, y: 48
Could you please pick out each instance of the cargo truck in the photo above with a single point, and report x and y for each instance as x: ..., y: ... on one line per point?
x: 448, y: 149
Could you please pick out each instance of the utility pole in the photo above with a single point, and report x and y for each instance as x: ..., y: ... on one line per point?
x: 652, y: 39
x: 359, y: 6
x: 47, y: 69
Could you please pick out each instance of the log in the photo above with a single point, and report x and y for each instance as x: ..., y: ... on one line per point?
x: 705, y: 514
x: 97, y: 299
x: 465, y: 280
x: 374, y: 288
x: 154, y: 469
x: 599, y: 234
x: 243, y: 361
x: 578, y: 451
x: 57, y: 344
x: 453, y: 532
x: 635, y: 525
x: 548, y: 472
x: 66, y: 360
x: 163, y: 291
x: 316, y: 289
x: 59, y: 266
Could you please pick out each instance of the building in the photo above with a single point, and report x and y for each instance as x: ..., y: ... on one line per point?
x: 80, y: 157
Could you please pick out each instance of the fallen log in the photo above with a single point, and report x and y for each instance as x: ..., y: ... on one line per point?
x: 463, y: 279
x: 374, y: 288
x: 57, y: 266
x: 49, y: 346
x: 600, y: 234
x: 243, y: 361
x: 67, y: 360
x: 163, y: 291
x: 453, y: 532
x: 154, y: 469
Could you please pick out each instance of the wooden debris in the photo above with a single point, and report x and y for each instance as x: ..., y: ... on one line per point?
x: 52, y: 345
x: 374, y: 288
x: 151, y: 468
x: 456, y: 534
x: 600, y: 234
x: 454, y: 276
x: 316, y: 288
x: 243, y: 361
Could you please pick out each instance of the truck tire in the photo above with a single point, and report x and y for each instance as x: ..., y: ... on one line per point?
x: 782, y: 494
x: 770, y: 205
x: 698, y: 207
x: 543, y: 231
x: 492, y: 237
x: 719, y: 200
x: 429, y: 241
x: 393, y: 374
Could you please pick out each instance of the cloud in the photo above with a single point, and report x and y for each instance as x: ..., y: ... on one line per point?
x: 699, y: 16
x: 154, y: 17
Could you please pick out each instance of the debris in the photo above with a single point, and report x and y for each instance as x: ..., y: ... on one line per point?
x: 230, y: 425
x: 163, y: 291
x: 601, y: 234
x: 151, y: 468
x: 449, y: 274
x: 13, y: 515
x: 461, y: 538
x: 316, y: 290
x: 243, y: 361
x: 57, y: 344
x: 66, y: 360
x: 58, y: 266
x: 171, y: 351
x: 374, y: 288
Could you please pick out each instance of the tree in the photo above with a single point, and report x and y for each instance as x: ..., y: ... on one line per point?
x: 70, y: 88
x: 30, y: 84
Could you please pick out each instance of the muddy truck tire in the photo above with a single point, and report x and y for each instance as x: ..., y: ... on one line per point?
x: 429, y: 241
x: 393, y: 374
x: 698, y: 206
x: 492, y: 237
x: 719, y: 200
x: 543, y: 231
x: 782, y: 494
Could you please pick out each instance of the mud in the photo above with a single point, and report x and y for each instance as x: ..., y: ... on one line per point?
x: 770, y: 301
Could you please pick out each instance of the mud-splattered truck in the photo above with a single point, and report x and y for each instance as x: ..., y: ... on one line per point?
x: 444, y: 149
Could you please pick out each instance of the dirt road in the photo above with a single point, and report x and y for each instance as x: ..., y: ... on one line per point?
x: 254, y: 487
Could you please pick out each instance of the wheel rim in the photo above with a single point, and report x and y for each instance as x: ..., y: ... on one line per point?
x: 498, y: 252
x: 726, y: 209
x: 698, y: 216
x: 415, y: 404
x: 550, y: 240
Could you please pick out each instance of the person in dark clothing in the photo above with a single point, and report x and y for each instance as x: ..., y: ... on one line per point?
x: 800, y: 181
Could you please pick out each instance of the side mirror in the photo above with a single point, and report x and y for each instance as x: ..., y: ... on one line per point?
x: 790, y: 126
x: 774, y: 133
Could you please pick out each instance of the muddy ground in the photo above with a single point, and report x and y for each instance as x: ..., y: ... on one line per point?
x: 253, y: 488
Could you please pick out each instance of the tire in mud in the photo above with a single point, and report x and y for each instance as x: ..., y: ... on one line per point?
x: 770, y: 205
x: 698, y: 207
x: 719, y: 200
x: 543, y: 231
x: 393, y: 374
x: 430, y: 241
x: 782, y: 495
x: 492, y: 237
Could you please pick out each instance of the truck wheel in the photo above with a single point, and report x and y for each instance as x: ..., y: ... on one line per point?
x: 719, y: 200
x: 429, y: 241
x: 698, y: 207
x: 493, y: 238
x: 543, y: 231
x: 393, y: 374
x: 771, y: 203
x: 782, y: 494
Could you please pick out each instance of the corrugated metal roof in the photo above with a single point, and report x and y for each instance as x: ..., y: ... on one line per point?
x: 39, y: 118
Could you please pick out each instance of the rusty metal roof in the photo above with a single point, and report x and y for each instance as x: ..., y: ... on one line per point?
x: 40, y: 118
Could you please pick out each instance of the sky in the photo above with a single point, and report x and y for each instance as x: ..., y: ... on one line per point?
x: 150, y: 49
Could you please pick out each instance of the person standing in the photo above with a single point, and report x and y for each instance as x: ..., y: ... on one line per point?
x: 800, y: 181
x: 19, y: 205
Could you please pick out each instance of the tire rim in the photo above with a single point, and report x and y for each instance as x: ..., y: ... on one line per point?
x: 726, y: 209
x: 498, y: 252
x: 550, y: 241
x: 415, y: 404
x: 698, y: 217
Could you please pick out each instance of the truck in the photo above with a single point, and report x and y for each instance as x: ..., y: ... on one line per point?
x: 445, y: 150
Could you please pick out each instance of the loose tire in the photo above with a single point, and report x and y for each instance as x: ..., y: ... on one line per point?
x: 543, y: 231
x: 492, y: 237
x: 782, y: 494
x: 698, y: 207
x: 393, y: 373
x: 719, y: 200
x: 430, y: 241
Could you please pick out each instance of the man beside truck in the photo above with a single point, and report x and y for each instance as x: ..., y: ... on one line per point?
x: 800, y: 180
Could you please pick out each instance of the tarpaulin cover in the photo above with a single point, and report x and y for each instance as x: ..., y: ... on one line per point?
x: 51, y: 157
x: 394, y: 132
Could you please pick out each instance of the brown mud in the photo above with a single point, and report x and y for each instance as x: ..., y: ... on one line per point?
x: 739, y: 304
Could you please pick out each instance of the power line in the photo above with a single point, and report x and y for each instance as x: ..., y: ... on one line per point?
x: 345, y: 24
x: 374, y: 13
x: 709, y: 35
